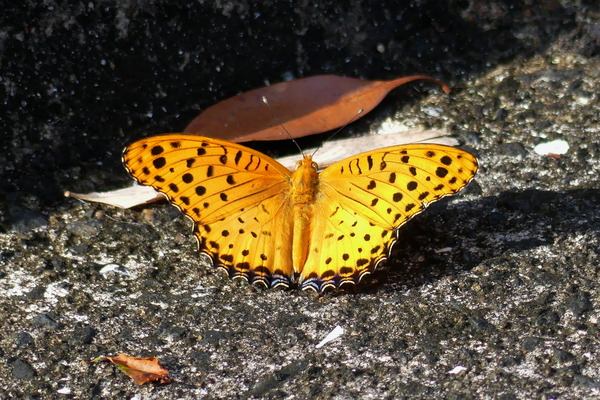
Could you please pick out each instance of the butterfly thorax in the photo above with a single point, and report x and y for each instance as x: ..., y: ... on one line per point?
x: 304, y: 181
x: 304, y: 187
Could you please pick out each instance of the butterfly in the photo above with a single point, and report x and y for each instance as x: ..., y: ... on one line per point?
x: 258, y: 220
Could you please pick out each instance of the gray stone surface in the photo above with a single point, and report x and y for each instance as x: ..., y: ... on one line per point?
x: 500, y: 282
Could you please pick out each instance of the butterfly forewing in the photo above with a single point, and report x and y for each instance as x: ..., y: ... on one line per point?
x: 238, y: 199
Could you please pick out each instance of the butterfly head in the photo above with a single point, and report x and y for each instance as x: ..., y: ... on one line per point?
x: 307, y: 162
x: 304, y: 180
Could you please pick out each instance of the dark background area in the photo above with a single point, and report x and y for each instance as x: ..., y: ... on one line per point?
x: 502, y: 280
x: 82, y: 80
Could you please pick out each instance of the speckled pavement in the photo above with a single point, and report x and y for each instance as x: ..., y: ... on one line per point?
x: 491, y: 294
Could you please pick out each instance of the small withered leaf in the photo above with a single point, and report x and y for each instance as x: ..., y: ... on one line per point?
x: 140, y: 369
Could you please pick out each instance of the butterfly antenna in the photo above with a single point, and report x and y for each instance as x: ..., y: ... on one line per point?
x: 354, y: 118
x: 276, y: 118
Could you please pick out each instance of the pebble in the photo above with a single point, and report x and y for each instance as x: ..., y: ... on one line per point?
x: 513, y: 149
x: 579, y: 303
x: 553, y: 147
x: 530, y: 343
x: 46, y: 321
x: 23, y: 339
x: 85, y: 228
x: 22, y: 370
x: 83, y: 335
x: 25, y: 220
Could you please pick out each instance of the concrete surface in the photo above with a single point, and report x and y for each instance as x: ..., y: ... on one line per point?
x: 490, y: 295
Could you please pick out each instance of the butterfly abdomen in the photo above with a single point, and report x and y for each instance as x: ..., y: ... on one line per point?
x: 304, y: 184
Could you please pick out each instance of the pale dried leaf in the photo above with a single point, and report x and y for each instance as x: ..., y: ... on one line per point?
x: 329, y: 153
x: 337, y: 150
x: 125, y: 198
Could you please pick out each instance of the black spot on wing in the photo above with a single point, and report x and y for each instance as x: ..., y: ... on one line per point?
x: 362, y: 261
x: 441, y: 172
x: 187, y: 178
x: 244, y: 266
x: 156, y: 150
x: 346, y: 270
x: 159, y: 162
x: 328, y: 274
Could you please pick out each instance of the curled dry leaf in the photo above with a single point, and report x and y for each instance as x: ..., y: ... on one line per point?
x: 140, y: 369
x: 304, y: 106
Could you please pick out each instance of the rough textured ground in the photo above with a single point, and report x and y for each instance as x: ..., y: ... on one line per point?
x: 500, y: 282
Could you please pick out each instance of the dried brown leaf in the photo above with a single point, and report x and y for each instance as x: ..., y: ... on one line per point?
x: 140, y: 369
x: 304, y: 106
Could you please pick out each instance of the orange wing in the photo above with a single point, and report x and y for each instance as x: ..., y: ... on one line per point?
x: 237, y: 198
x: 362, y: 201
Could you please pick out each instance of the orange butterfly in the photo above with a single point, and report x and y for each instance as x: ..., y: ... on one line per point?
x: 259, y: 221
